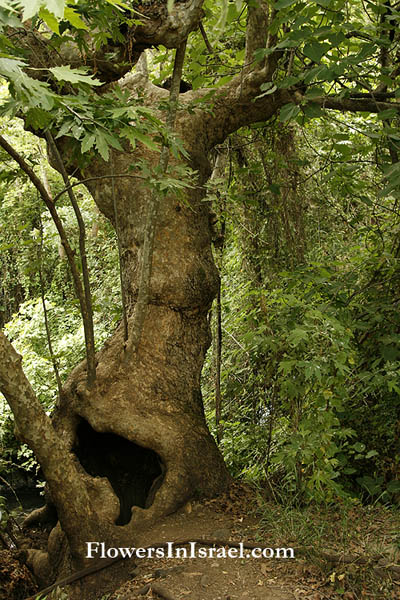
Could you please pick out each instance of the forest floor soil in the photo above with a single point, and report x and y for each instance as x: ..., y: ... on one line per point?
x: 315, y: 575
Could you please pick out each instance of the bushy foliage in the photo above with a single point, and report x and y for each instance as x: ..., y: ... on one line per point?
x: 311, y: 360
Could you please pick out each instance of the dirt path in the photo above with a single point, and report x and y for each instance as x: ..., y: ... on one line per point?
x: 215, y: 578
x: 369, y: 533
x: 211, y: 577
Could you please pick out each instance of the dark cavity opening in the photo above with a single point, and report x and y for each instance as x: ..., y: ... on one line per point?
x: 135, y: 473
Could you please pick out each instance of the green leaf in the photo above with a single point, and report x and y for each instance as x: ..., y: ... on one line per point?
x: 289, y: 111
x: 88, y: 142
x: 32, y: 8
x: 393, y: 486
x: 102, y: 145
x: 389, y: 113
x: 145, y: 139
x: 50, y: 20
x: 55, y: 6
x: 371, y: 453
x: 315, y: 92
x: 65, y: 73
x: 74, y: 19
x: 313, y: 110
x: 122, y: 6
x: 170, y: 6
x: 289, y: 81
x: 7, y: 19
x: 284, y: 4
x: 359, y: 447
x: 316, y: 50
x: 297, y: 335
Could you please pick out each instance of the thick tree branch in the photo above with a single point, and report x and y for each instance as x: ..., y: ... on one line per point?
x: 355, y: 105
x: 236, y: 106
x: 157, y: 27
x: 256, y: 30
x: 36, y: 429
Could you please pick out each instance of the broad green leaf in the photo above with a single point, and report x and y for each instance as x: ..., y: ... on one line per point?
x: 145, y: 139
x: 316, y: 50
x: 289, y: 81
x: 289, y: 111
x: 393, y: 486
x: 313, y: 110
x: 284, y: 4
x: 121, y: 5
x: 101, y: 145
x: 50, y: 20
x: 297, y: 335
x: 88, y: 142
x: 359, y: 447
x: 65, y: 73
x: 314, y: 92
x: 74, y: 18
x: 34, y: 93
x: 55, y: 6
x: 170, y: 6
x: 32, y: 8
x: 8, y: 19
x: 371, y: 453
x: 389, y: 113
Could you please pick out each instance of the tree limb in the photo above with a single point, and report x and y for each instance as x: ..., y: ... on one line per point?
x: 36, y: 429
x: 87, y: 307
x: 45, y: 314
x: 354, y: 104
x: 256, y: 31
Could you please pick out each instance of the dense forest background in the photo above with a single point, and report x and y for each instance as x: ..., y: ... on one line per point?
x: 306, y: 353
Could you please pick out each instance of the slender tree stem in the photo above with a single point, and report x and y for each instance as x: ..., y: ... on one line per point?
x: 218, y: 350
x: 46, y: 319
x: 54, y: 214
x: 87, y: 307
x: 121, y: 274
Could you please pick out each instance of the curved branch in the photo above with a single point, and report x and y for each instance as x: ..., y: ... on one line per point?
x: 36, y: 429
x: 354, y: 104
x: 87, y: 306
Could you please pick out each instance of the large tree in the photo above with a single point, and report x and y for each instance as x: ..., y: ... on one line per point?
x: 128, y: 442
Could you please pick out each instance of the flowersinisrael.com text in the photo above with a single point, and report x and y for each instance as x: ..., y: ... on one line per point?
x: 190, y: 550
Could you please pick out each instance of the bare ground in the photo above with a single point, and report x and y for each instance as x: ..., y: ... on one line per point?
x: 232, y: 518
x: 343, y: 553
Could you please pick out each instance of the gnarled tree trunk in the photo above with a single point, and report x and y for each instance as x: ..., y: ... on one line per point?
x: 138, y: 437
